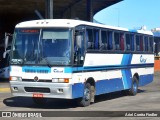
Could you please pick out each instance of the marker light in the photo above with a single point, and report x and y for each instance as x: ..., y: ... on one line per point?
x: 15, y: 78
x: 60, y: 80
x: 66, y: 80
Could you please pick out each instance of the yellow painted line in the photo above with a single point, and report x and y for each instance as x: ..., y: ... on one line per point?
x: 5, y: 90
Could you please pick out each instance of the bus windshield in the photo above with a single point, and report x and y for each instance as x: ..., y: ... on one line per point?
x: 41, y: 46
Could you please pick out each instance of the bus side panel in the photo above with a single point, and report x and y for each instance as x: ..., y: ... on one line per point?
x: 145, y: 79
x: 127, y: 78
x: 145, y: 75
x: 77, y: 90
x: 107, y: 86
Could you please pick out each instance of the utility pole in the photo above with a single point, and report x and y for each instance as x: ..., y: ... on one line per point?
x: 90, y: 10
x: 49, y: 9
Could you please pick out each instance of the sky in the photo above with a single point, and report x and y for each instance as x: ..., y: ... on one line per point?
x: 131, y: 14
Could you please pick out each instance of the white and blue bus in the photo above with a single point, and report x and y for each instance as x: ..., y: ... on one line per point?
x: 73, y: 59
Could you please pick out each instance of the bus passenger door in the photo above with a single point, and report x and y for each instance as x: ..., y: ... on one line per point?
x: 79, y: 48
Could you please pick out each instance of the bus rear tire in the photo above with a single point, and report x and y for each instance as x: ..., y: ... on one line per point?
x: 39, y: 101
x: 87, y: 96
x: 134, y: 87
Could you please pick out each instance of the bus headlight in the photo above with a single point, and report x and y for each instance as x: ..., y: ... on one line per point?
x: 55, y: 80
x: 60, y: 80
x: 15, y: 79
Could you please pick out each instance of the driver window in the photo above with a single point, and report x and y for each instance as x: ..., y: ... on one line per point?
x: 79, y: 47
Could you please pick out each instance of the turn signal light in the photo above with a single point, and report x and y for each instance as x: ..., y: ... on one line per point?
x: 15, y: 78
x: 60, y: 80
x: 66, y: 80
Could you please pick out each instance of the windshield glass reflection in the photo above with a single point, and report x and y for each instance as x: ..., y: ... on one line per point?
x: 41, y: 46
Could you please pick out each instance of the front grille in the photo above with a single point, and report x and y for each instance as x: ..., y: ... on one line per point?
x: 37, y: 89
x: 32, y: 80
x: 36, y: 71
x: 28, y: 80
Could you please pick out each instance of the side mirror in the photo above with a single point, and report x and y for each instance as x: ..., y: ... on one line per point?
x: 5, y: 53
x: 6, y: 41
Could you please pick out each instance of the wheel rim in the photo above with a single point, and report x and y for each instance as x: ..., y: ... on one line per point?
x: 86, y: 94
x: 135, y: 87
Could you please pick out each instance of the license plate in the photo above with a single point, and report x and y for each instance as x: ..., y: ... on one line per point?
x: 37, y: 95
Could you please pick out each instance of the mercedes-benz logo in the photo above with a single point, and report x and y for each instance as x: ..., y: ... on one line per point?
x: 36, y: 79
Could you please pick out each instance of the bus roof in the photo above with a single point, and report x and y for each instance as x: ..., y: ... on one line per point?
x: 70, y: 24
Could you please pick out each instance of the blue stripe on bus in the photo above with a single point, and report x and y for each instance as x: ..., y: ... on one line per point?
x: 126, y: 60
x: 101, y: 87
x: 145, y: 79
x: 38, y: 69
x: 72, y: 69
x: 127, y: 78
x: 107, y: 86
x: 98, y: 68
x: 68, y: 70
x: 126, y: 73
x: 77, y: 90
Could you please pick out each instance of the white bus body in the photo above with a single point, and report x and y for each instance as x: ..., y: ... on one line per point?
x: 84, y: 72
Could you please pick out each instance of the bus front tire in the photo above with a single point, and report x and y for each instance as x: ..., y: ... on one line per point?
x: 134, y: 87
x: 87, y: 96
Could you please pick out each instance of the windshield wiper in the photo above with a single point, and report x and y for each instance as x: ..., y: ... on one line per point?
x: 48, y: 64
x: 17, y: 61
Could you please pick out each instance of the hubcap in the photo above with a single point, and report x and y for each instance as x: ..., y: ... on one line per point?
x: 135, y: 87
x: 86, y: 94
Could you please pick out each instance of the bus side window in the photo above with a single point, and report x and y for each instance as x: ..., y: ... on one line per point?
x: 151, y: 44
x: 141, y: 43
x: 117, y: 40
x: 128, y: 42
x: 137, y: 43
x: 132, y: 37
x: 89, y: 37
x: 146, y: 43
x: 104, y: 39
x: 96, y: 38
x: 122, y: 41
x: 110, y: 40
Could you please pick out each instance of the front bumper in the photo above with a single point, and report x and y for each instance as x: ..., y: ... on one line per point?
x: 49, y: 90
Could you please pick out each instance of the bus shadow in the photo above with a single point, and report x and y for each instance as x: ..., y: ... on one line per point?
x: 26, y: 102
x: 4, y: 80
x: 113, y: 95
